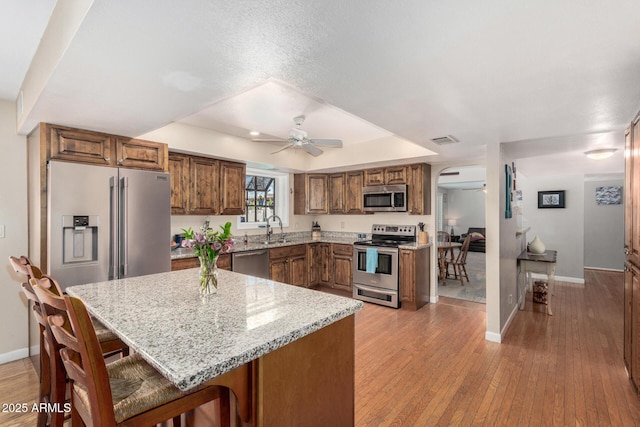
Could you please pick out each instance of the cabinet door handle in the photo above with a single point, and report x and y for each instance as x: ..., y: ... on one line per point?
x: 107, y: 159
x: 120, y: 161
x: 626, y: 251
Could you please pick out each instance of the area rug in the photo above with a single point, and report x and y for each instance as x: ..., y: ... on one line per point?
x: 476, y: 289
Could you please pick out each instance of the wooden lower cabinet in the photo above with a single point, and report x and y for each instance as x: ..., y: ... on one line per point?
x: 342, y: 266
x: 289, y: 265
x: 326, y: 268
x: 414, y: 278
x: 631, y: 322
x: 224, y: 263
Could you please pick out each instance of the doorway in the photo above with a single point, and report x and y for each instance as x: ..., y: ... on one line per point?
x: 460, y: 212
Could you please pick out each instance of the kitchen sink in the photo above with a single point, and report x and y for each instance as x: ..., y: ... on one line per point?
x: 273, y: 242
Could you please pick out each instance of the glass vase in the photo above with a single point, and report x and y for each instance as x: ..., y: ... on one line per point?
x: 208, y: 275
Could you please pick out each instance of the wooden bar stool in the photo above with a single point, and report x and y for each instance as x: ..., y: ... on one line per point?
x: 52, y: 387
x: 126, y: 392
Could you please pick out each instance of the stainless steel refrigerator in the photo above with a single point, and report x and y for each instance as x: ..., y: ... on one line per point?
x: 106, y: 223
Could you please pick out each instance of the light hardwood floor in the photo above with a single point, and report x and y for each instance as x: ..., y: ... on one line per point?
x: 434, y: 367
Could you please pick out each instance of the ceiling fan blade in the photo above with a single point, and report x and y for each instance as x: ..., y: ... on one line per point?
x: 283, y: 148
x: 327, y: 142
x: 309, y: 148
x: 270, y: 140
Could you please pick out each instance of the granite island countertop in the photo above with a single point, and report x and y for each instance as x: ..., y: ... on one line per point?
x: 191, y: 339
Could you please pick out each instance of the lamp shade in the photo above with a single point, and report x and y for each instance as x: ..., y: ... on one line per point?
x: 452, y: 223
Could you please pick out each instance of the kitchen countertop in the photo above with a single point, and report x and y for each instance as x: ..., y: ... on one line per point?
x: 253, y: 245
x: 248, y: 318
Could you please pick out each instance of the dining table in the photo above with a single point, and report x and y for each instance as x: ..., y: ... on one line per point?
x: 445, y: 250
x: 285, y: 352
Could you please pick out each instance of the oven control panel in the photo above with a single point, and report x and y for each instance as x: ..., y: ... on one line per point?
x: 394, y: 230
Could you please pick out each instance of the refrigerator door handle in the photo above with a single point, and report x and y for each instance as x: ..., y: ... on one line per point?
x: 124, y: 220
x: 113, y: 229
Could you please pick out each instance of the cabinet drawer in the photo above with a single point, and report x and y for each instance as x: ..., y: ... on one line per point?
x: 340, y: 249
x: 287, y: 251
x: 184, y: 263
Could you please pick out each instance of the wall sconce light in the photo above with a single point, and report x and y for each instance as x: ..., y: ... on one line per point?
x: 602, y: 153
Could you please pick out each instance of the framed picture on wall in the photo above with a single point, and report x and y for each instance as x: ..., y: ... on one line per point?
x: 550, y: 199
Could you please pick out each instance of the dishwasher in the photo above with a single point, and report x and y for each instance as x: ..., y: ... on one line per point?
x: 253, y: 263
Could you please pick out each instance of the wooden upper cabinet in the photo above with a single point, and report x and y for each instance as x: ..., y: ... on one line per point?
x: 232, y: 188
x: 353, y: 192
x: 203, y: 197
x: 419, y: 189
x: 84, y: 146
x: 395, y: 175
x: 337, y: 193
x: 374, y: 177
x: 79, y: 145
x: 179, y: 171
x: 310, y: 194
x: 139, y: 154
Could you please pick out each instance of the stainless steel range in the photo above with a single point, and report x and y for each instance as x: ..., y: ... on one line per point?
x: 375, y: 266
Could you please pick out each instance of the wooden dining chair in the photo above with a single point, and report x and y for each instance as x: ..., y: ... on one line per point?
x: 443, y: 236
x: 126, y: 392
x: 459, y: 264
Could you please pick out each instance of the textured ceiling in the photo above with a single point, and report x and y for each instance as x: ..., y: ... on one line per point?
x: 544, y: 72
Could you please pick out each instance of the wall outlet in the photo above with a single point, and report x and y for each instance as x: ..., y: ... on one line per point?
x: 342, y: 225
x: 2, y: 231
x: 295, y: 225
x: 510, y: 299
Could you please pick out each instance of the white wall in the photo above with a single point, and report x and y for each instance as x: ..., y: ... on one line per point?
x: 603, y: 228
x: 559, y: 229
x: 13, y: 216
x: 467, y: 207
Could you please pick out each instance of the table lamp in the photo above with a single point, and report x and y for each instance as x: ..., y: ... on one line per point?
x: 452, y: 223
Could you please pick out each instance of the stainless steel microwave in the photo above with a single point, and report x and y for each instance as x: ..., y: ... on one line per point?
x: 385, y: 198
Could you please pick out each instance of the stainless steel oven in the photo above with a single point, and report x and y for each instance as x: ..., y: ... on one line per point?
x: 379, y: 285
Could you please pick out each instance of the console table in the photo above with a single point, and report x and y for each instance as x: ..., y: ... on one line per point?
x: 529, y: 263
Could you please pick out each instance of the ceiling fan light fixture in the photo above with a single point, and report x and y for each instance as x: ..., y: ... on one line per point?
x: 601, y: 153
x: 254, y: 133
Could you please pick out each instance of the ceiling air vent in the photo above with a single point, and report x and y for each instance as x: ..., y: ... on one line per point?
x: 445, y: 140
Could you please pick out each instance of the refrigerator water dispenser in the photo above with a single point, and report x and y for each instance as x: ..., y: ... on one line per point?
x: 79, y: 239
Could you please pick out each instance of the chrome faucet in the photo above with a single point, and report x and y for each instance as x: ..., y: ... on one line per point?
x: 270, y: 231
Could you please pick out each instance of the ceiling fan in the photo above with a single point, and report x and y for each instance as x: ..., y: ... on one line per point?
x: 298, y: 139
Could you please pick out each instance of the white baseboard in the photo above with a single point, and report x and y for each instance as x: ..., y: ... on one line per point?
x: 14, y: 355
x: 493, y: 337
x: 560, y: 278
x: 434, y: 299
x: 35, y: 349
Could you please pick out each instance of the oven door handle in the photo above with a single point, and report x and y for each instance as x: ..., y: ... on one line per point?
x: 380, y: 251
x: 377, y: 290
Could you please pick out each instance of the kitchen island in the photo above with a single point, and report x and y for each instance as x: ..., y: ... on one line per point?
x: 287, y: 353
